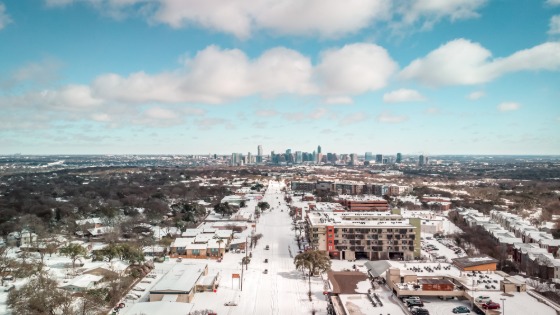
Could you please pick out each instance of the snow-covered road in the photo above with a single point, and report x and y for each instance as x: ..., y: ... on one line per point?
x: 283, y: 290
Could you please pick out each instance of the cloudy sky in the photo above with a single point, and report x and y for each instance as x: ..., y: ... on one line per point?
x: 222, y: 76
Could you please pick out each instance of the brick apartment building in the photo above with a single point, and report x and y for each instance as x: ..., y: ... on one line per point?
x: 363, y: 203
x: 352, y: 235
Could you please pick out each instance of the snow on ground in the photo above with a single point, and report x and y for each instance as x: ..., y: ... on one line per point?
x: 283, y: 290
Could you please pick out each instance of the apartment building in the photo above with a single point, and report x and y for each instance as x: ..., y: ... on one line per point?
x: 363, y: 203
x: 371, y: 235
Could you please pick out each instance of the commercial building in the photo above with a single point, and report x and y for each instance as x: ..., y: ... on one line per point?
x: 365, y: 203
x: 371, y: 235
x: 476, y: 263
x: 181, y: 282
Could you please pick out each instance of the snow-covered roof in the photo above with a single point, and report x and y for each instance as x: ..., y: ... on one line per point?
x: 181, y: 278
x: 182, y: 242
x: 100, y: 230
x: 89, y: 221
x: 157, y: 308
x: 83, y: 281
x: 191, y: 232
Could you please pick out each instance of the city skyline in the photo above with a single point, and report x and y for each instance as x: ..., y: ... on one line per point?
x: 166, y: 77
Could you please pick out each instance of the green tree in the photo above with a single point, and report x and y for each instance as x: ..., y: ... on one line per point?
x: 314, y: 262
x: 245, y: 261
x: 219, y: 241
x: 224, y: 209
x: 263, y: 205
x: 74, y: 251
x: 255, y: 238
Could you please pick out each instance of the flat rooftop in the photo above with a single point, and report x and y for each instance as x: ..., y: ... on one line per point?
x: 357, y: 219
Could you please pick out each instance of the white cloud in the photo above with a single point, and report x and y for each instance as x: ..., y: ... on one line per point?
x: 42, y: 73
x: 403, y: 95
x: 328, y: 18
x: 508, y: 106
x: 338, y: 100
x: 5, y: 19
x: 462, y: 62
x: 387, y: 117
x: 554, y: 26
x: 553, y: 2
x: 432, y: 11
x: 354, y: 69
x: 476, y: 95
x: 214, y: 76
x: 323, y: 18
x: 58, y: 3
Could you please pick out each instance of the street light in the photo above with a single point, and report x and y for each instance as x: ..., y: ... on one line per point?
x: 503, y: 306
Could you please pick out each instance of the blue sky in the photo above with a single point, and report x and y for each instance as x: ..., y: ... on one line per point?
x: 222, y: 76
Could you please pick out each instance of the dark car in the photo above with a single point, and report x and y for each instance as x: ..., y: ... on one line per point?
x: 491, y: 305
x: 461, y: 309
x: 412, y: 303
x: 266, y: 260
x: 420, y: 311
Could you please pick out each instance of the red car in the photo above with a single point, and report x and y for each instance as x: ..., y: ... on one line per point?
x: 491, y: 305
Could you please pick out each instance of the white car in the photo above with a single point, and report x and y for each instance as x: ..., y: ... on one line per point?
x: 483, y: 299
x: 231, y: 303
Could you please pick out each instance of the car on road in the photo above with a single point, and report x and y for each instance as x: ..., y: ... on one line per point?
x: 265, y: 271
x: 266, y: 260
x: 267, y: 247
x: 420, y: 311
x: 231, y: 303
x: 491, y: 306
x: 461, y: 309
x: 482, y: 299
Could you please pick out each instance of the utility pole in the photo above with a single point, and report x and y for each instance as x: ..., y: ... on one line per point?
x: 246, y: 250
x: 503, y: 306
x: 241, y: 275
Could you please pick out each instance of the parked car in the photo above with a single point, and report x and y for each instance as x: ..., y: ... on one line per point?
x: 411, y: 298
x: 483, y: 299
x: 266, y: 260
x: 420, y: 311
x: 461, y: 309
x: 491, y: 305
x: 267, y: 247
x: 231, y: 303
x: 266, y: 271
x: 413, y: 303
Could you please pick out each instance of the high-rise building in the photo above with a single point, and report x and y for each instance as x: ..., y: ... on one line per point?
x: 259, y: 158
x: 379, y: 158
x: 353, y: 159
x: 299, y: 157
x: 319, y: 149
x: 369, y: 156
x: 399, y: 158
x: 423, y: 160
